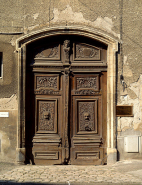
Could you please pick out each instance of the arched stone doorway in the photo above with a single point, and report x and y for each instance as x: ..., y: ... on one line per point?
x: 64, y: 93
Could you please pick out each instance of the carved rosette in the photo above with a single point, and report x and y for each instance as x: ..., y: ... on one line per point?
x: 66, y: 48
x: 86, y: 116
x: 46, y: 116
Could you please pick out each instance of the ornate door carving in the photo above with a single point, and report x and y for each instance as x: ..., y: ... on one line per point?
x: 66, y: 102
x: 87, y: 134
x: 48, y: 104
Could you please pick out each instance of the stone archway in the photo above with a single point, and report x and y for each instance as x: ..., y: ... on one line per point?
x: 111, y: 79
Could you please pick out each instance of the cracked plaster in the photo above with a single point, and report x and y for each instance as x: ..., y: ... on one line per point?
x: 69, y: 16
x: 9, y: 103
x: 35, y: 16
x: 135, y: 121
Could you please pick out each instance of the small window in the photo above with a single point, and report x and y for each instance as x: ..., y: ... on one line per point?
x: 0, y: 64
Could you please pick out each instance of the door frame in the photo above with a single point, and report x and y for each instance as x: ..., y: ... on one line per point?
x: 112, y: 48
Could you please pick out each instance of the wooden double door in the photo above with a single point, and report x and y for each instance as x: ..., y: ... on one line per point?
x: 66, y: 104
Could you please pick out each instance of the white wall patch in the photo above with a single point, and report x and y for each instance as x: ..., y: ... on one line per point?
x: 4, y: 114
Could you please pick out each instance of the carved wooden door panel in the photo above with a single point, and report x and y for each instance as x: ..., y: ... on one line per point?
x: 48, y: 119
x: 51, y: 95
x: 86, y: 119
x: 44, y: 98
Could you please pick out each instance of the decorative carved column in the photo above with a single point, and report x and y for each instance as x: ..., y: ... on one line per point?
x: 66, y: 116
x: 66, y: 49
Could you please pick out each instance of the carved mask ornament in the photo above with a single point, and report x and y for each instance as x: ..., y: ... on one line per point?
x: 47, y: 115
x: 86, y: 116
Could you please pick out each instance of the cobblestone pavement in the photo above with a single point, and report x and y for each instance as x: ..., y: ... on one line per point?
x: 125, y: 172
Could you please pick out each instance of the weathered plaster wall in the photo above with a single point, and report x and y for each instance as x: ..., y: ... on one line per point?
x: 8, y: 131
x: 130, y: 125
x: 130, y: 59
x: 120, y: 18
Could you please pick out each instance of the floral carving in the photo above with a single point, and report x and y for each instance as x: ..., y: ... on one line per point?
x: 49, y: 53
x: 86, y: 116
x: 83, y: 51
x: 46, y: 116
x: 86, y: 83
x: 46, y: 82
